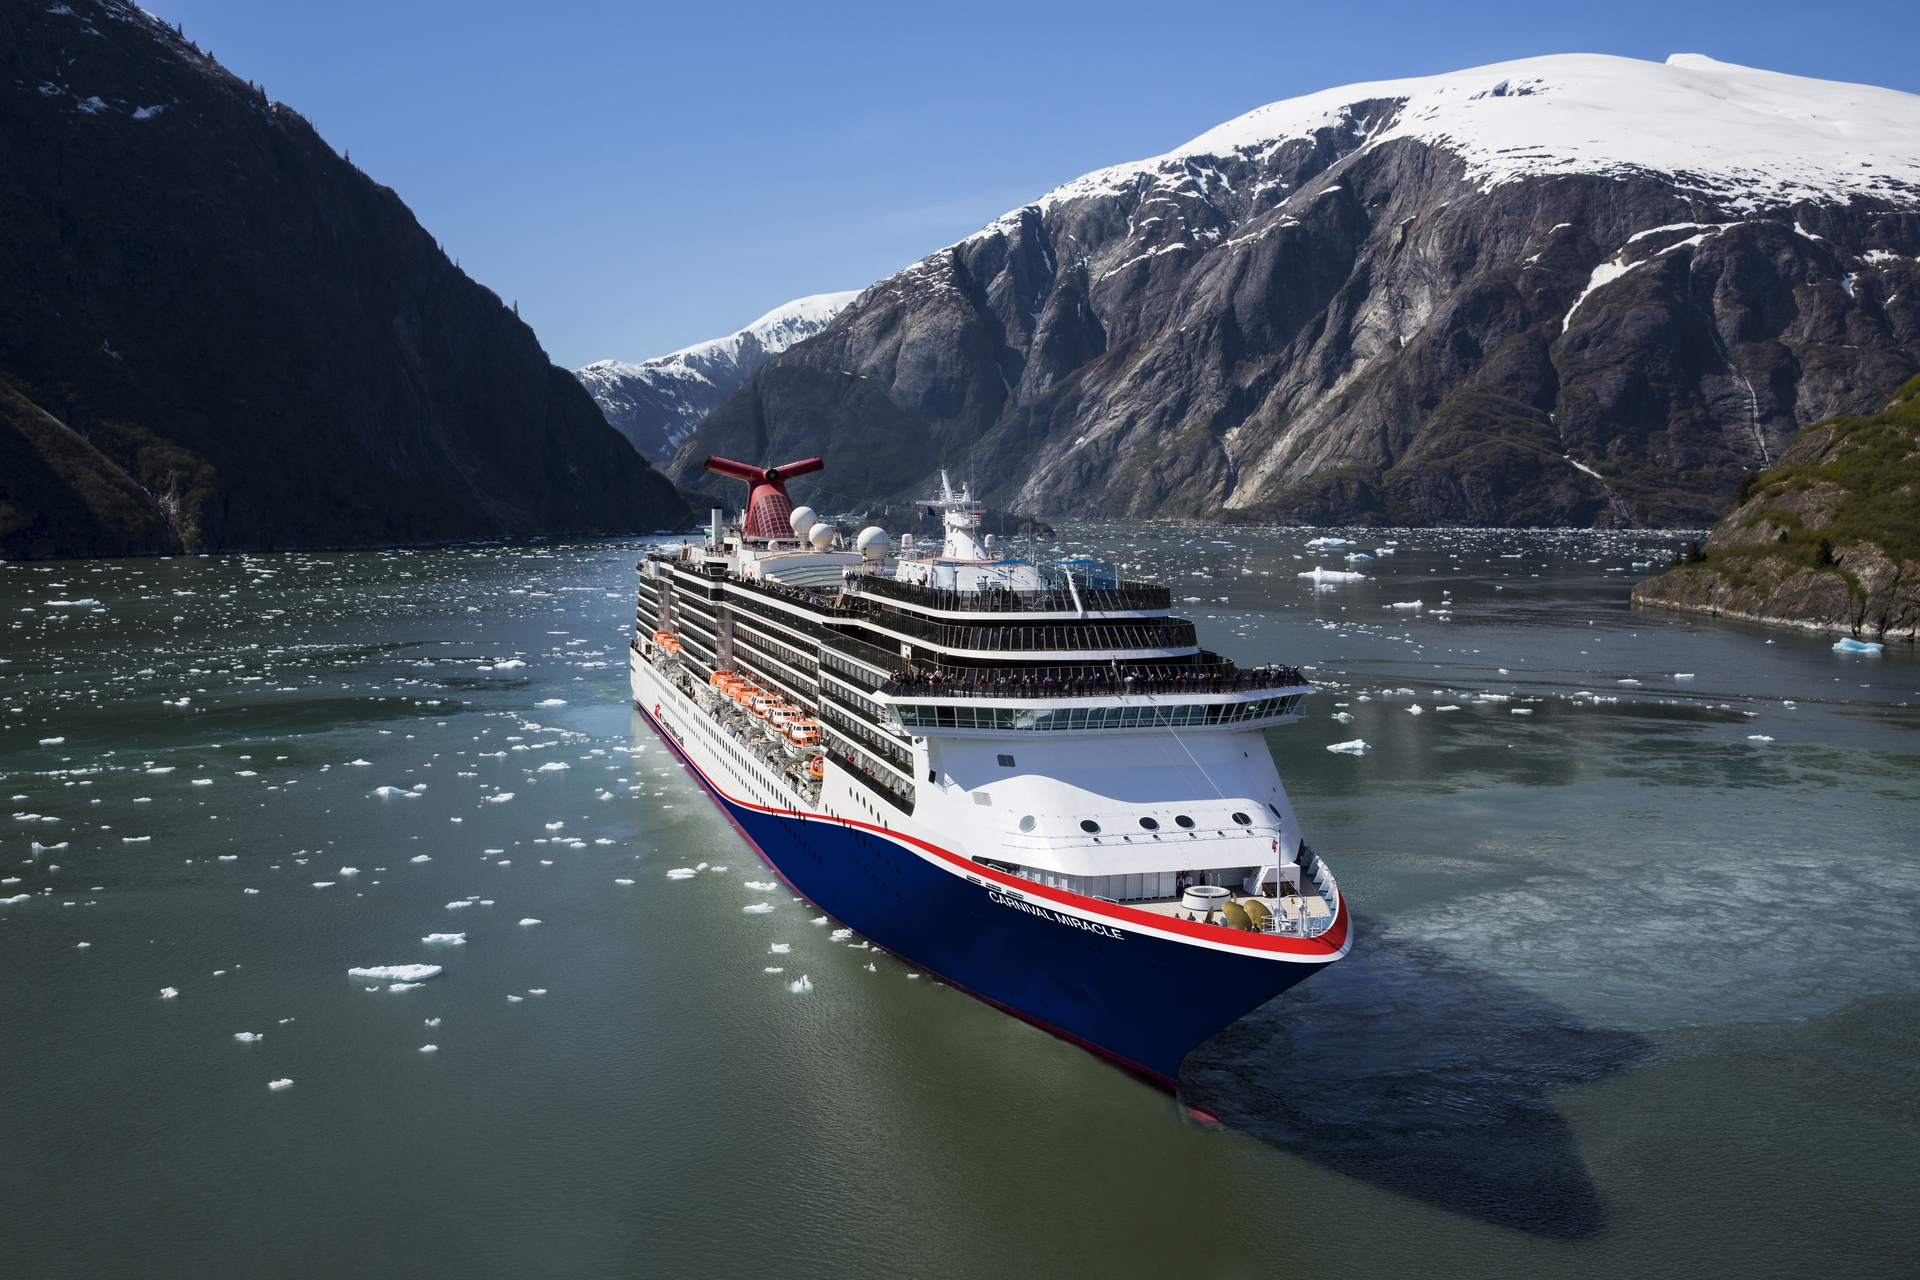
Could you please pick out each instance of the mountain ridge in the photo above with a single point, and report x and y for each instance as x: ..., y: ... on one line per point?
x: 1447, y: 304
x: 657, y: 402
x: 216, y: 333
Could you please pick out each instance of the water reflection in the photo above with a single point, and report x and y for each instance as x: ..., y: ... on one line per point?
x: 1426, y: 1076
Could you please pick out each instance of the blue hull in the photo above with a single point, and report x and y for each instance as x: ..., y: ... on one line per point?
x: 1141, y: 999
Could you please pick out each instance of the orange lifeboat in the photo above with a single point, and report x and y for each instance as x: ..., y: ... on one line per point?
x: 802, y: 731
x: 818, y: 767
x: 721, y: 678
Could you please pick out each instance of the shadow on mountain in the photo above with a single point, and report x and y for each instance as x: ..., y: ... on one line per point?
x: 1426, y: 1076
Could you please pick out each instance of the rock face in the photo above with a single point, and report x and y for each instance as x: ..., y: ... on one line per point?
x: 1828, y: 539
x: 216, y: 333
x: 657, y: 403
x: 1574, y: 290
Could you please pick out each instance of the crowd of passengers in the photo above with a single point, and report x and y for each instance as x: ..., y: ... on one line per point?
x: 1199, y: 681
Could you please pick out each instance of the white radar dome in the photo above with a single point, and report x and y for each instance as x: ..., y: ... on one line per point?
x: 821, y: 535
x: 872, y: 542
x: 803, y: 519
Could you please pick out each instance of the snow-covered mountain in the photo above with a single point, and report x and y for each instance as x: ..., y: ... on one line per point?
x: 1573, y: 289
x: 657, y: 402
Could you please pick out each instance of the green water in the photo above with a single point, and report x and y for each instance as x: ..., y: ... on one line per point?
x: 1635, y: 992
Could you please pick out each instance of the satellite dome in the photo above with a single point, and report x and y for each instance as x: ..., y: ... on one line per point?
x: 872, y: 542
x: 803, y: 519
x: 821, y: 535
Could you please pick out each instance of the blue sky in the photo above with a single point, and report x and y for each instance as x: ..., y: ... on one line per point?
x: 640, y: 177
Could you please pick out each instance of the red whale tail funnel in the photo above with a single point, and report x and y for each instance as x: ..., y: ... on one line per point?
x: 769, y: 509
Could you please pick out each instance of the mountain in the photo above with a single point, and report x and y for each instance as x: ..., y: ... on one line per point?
x: 1827, y: 539
x: 657, y: 402
x: 216, y: 333
x: 1575, y: 290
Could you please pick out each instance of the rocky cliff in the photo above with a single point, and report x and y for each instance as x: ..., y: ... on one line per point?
x: 1827, y: 539
x: 1572, y: 290
x: 657, y: 403
x: 217, y: 333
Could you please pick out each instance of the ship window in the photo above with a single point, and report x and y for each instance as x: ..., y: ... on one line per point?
x: 1243, y: 819
x: 1182, y: 820
x: 1150, y: 824
x: 1276, y: 813
x: 1026, y: 823
x: 1089, y: 826
x: 1006, y: 762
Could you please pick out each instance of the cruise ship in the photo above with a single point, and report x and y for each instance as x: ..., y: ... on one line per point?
x: 1025, y: 777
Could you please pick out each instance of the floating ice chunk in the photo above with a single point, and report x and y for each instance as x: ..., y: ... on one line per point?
x: 1343, y: 717
x: 1354, y: 748
x: 515, y: 999
x: 780, y: 948
x: 455, y: 906
x: 529, y: 920
x: 419, y: 786
x: 870, y: 968
x: 1521, y: 711
x: 402, y: 986
x: 504, y: 862
x: 429, y: 1048
x: 248, y: 1037
x: 414, y: 973
x: 203, y: 782
x: 774, y: 968
x: 485, y: 902
x: 390, y: 791
x: 80, y: 945
x: 229, y: 857
x: 553, y: 766
x: 758, y: 908
x: 682, y: 873
x: 1449, y: 707
x: 552, y: 702
x: 762, y: 886
x: 51, y: 742
x: 1758, y: 737
x: 555, y: 826
x: 446, y: 939
x: 841, y: 935
x: 500, y: 798
x: 1416, y: 709
x: 1331, y: 575
x: 1355, y: 556
x: 324, y: 884
x: 818, y: 920
x: 168, y: 993
x: 1629, y: 680
x: 603, y: 840
x: 717, y: 870
x: 349, y: 871
x: 433, y: 1022
x: 1847, y: 644
x: 699, y: 866
x: 277, y: 1085
x: 421, y: 857
x: 805, y: 984
x: 165, y: 768
x: 536, y: 991
x: 1408, y: 604
x: 365, y: 762
x: 1683, y: 675
x: 508, y: 665
x: 1329, y: 542
x: 249, y: 891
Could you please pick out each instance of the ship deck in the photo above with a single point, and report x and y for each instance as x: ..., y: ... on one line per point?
x: 1294, y: 914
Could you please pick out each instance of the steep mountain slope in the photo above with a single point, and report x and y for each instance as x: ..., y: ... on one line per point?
x: 216, y: 333
x: 1828, y: 539
x: 1570, y: 290
x: 657, y: 402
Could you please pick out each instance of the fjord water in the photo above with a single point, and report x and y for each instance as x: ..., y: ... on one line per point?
x: 1635, y: 989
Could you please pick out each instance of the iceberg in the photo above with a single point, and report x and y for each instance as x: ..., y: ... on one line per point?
x: 1329, y: 542
x: 413, y: 973
x: 529, y: 920
x: 552, y: 765
x: 446, y: 939
x: 758, y: 908
x: 1331, y: 575
x: 277, y: 1085
x: 247, y: 1037
x: 1847, y: 644
x: 1357, y: 747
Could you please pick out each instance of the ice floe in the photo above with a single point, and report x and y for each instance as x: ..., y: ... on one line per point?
x: 396, y: 972
x: 362, y: 762
x: 501, y: 798
x: 429, y: 1048
x: 682, y: 873
x: 804, y: 984
x: 623, y: 882
x: 758, y: 908
x: 1354, y: 748
x: 248, y: 1037
x: 1758, y: 737
x: 18, y: 897
x: 455, y: 906
x: 168, y: 993
x: 841, y: 935
x: 551, y: 702
x: 276, y: 1085
x: 446, y: 939
x: 1331, y: 575
x: 421, y: 857
x: 780, y: 948
x: 515, y: 999
x: 762, y: 886
x: 553, y: 766
x: 529, y: 920
x: 1847, y: 644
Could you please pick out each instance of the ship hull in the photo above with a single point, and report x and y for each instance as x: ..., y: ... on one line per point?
x: 1118, y: 982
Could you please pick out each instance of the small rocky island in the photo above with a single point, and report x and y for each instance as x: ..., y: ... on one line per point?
x: 1828, y: 539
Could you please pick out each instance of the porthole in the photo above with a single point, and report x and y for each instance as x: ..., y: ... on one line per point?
x: 1182, y: 820
x: 1026, y: 823
x: 1243, y: 819
x: 1089, y: 826
x: 1150, y: 824
x: 1276, y: 813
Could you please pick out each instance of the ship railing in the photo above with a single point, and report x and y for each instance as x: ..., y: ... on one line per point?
x: 1085, y: 682
x: 1128, y: 597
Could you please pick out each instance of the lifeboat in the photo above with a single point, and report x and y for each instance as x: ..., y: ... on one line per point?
x: 818, y: 767
x: 721, y: 678
x: 803, y: 732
